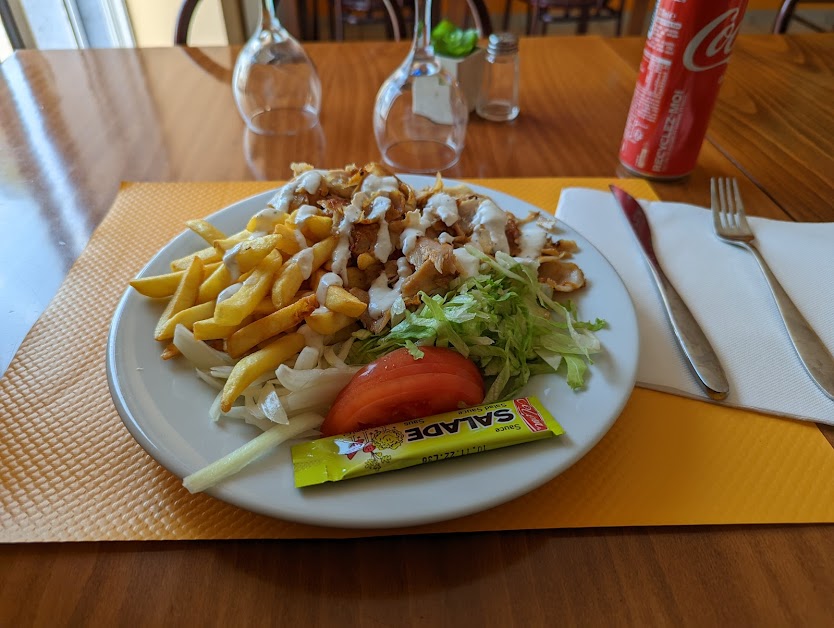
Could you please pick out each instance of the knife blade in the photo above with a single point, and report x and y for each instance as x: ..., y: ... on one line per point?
x: 690, y: 336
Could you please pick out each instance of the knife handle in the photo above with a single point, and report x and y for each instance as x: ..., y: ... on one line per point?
x: 691, y: 337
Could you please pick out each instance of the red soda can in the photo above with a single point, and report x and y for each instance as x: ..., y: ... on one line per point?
x: 684, y: 60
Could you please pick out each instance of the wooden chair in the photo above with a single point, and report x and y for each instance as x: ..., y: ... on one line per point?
x: 187, y: 9
x: 541, y: 13
x: 786, y: 14
x: 400, y: 15
x: 480, y: 14
x: 367, y: 12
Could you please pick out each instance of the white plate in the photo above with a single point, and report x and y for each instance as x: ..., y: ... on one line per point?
x: 165, y: 408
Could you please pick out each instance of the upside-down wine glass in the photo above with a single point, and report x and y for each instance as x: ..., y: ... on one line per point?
x: 275, y: 84
x: 420, y: 113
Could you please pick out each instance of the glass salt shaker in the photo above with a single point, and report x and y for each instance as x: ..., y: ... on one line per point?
x: 498, y: 99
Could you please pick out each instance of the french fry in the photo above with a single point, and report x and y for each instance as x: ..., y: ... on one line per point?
x: 170, y: 352
x: 303, y: 294
x: 317, y: 228
x: 161, y: 286
x: 264, y: 308
x: 209, y: 329
x: 185, y: 296
x: 224, y: 244
x: 212, y: 286
x: 208, y: 256
x: 250, y: 252
x: 186, y: 317
x: 325, y: 322
x: 340, y: 300
x: 248, y: 369
x: 252, y: 225
x: 262, y: 329
x: 242, y: 303
x: 288, y: 241
x: 285, y: 287
x: 315, y: 278
x: 366, y: 260
x: 205, y: 230
x: 286, y: 284
x: 322, y: 251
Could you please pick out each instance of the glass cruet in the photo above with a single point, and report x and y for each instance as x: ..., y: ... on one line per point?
x: 420, y: 114
x: 275, y: 84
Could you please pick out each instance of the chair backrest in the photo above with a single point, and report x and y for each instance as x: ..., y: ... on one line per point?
x: 785, y: 15
x: 184, y: 22
x: 480, y: 13
x: 396, y: 28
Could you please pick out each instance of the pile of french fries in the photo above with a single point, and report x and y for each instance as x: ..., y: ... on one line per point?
x: 255, y: 325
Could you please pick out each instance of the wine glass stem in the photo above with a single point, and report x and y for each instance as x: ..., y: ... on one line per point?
x: 268, y: 13
x: 421, y: 47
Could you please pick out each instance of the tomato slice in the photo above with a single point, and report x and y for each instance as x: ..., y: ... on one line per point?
x: 397, y: 387
x: 441, y: 360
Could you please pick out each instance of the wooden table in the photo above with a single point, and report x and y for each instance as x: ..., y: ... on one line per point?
x: 77, y: 123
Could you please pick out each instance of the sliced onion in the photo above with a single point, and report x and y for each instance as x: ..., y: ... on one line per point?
x: 307, y: 359
x: 198, y: 352
x: 270, y: 404
x: 208, y: 379
x: 295, y: 380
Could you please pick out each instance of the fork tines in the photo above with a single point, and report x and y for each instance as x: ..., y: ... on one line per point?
x: 727, y: 208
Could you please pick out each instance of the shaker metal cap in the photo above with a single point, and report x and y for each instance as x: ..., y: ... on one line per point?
x: 502, y: 43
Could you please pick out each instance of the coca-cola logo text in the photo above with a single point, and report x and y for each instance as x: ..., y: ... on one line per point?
x: 712, y: 46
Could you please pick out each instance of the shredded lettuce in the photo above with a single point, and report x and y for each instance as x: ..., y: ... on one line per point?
x: 504, y: 320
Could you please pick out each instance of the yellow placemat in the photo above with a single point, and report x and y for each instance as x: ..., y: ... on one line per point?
x: 71, y: 471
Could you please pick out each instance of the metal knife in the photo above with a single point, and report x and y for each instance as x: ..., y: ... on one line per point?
x: 690, y: 336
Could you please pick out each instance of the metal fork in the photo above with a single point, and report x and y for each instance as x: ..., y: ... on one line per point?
x: 731, y: 226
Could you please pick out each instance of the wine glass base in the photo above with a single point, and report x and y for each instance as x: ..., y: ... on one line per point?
x: 282, y: 121
x: 426, y: 156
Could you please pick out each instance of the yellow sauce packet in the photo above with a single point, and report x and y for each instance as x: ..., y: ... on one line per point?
x: 418, y: 441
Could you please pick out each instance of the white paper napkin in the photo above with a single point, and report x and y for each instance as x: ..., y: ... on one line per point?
x: 727, y: 294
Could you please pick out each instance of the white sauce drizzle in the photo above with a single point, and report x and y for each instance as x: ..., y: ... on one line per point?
x: 533, y: 238
x: 403, y: 267
x: 488, y: 226
x: 299, y: 237
x: 373, y: 183
x: 305, y: 212
x: 304, y: 259
x: 381, y: 296
x: 446, y: 238
x: 466, y: 263
x: 228, y: 292
x: 443, y: 207
x: 230, y: 261
x: 383, y: 247
x: 379, y: 207
x: 279, y: 205
x: 439, y: 207
x: 309, y: 181
x: 341, y: 254
x: 415, y: 227
x: 327, y: 280
x: 266, y: 219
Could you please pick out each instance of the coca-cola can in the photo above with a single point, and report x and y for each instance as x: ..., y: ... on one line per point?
x: 684, y: 60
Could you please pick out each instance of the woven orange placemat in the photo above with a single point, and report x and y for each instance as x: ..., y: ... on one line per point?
x: 71, y: 471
